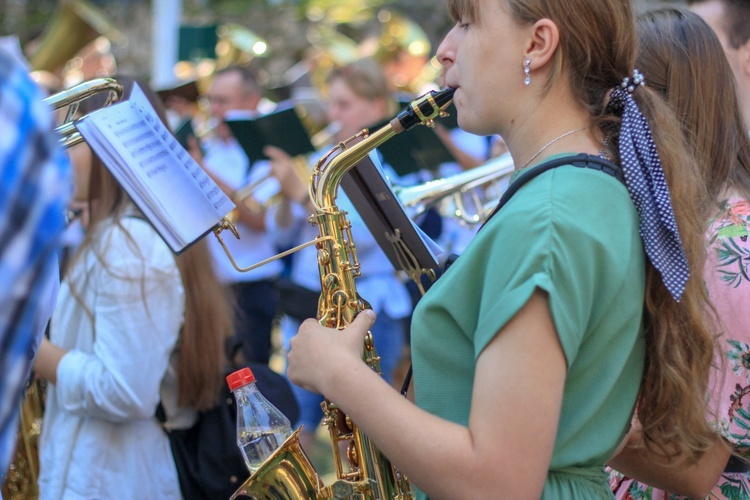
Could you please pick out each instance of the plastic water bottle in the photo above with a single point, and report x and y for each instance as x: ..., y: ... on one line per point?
x: 261, y: 427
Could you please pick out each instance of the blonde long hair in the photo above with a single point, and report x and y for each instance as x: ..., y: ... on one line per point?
x: 597, y: 50
x: 208, y: 309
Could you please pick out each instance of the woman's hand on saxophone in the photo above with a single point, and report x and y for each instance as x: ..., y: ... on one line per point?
x: 319, y: 356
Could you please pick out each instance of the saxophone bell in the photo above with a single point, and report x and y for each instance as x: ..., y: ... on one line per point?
x: 20, y: 481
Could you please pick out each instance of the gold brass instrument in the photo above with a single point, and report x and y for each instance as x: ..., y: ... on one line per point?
x: 21, y: 480
x: 468, y: 196
x: 237, y: 45
x: 69, y: 136
x: 245, y: 195
x: 288, y: 474
x: 76, y: 24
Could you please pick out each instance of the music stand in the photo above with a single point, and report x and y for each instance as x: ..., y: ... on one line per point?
x: 407, y: 247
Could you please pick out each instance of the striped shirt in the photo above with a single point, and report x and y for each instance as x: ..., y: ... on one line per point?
x: 34, y: 188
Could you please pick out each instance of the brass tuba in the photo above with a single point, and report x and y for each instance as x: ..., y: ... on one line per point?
x: 237, y: 45
x: 76, y: 24
x: 21, y: 479
x: 369, y: 475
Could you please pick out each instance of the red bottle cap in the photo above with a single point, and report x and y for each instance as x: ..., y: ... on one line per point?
x: 239, y: 378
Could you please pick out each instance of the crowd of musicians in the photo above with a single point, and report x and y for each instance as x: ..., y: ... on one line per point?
x: 587, y: 339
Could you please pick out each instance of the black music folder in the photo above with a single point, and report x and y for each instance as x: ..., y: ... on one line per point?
x: 183, y: 133
x: 407, y: 247
x: 420, y: 149
x: 281, y: 128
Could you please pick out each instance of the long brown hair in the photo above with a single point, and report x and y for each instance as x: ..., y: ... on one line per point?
x: 208, y: 311
x: 597, y: 51
x: 685, y: 62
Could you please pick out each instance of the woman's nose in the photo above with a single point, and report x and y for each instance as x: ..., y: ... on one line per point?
x: 446, y: 52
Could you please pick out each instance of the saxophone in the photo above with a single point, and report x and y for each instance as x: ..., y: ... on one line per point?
x: 288, y: 474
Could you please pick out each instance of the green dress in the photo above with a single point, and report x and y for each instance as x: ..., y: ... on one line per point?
x: 572, y: 232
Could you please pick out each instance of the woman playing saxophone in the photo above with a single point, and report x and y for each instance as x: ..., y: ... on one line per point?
x: 573, y: 303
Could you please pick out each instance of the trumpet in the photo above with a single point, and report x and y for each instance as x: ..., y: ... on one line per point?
x: 72, y: 97
x: 246, y: 194
x: 468, y: 196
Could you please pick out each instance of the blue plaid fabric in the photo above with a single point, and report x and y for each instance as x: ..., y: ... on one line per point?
x: 34, y: 187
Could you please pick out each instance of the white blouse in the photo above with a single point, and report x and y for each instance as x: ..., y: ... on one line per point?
x: 99, y: 437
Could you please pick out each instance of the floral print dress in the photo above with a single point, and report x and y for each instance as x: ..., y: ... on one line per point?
x: 727, y: 279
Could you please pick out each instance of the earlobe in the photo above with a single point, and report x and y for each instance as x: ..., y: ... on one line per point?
x: 543, y: 42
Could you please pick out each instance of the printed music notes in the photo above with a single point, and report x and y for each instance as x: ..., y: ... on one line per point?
x: 174, y: 193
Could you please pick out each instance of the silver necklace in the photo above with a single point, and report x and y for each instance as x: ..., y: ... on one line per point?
x: 550, y: 143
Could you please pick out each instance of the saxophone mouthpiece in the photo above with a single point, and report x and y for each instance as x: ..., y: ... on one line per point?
x: 423, y: 110
x: 443, y: 97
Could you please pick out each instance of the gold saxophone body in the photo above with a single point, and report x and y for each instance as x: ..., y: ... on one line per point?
x: 368, y: 474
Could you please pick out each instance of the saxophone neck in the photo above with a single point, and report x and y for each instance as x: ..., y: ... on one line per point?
x: 331, y: 168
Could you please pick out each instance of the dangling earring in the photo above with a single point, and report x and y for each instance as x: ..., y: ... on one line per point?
x: 527, y: 72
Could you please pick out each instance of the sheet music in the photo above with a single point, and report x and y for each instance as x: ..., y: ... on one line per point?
x: 171, y: 189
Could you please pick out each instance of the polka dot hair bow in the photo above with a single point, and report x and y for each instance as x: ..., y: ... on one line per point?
x: 648, y: 189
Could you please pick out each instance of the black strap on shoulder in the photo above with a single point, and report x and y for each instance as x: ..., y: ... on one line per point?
x: 582, y: 161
